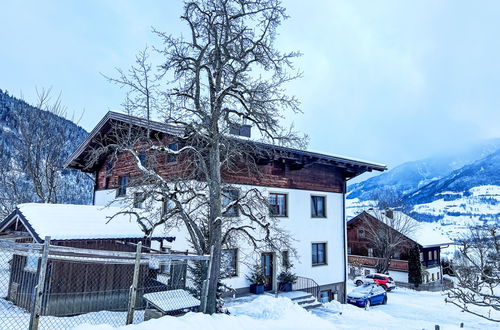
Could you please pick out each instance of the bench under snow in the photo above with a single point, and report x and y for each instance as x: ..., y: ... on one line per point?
x: 171, y: 300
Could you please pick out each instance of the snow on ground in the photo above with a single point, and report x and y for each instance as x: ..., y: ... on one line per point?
x: 263, y: 312
x: 406, y: 309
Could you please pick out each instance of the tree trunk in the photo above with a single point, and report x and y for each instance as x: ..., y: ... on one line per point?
x: 215, y: 231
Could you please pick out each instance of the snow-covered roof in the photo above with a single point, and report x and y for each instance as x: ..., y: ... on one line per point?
x: 424, y: 233
x: 66, y: 221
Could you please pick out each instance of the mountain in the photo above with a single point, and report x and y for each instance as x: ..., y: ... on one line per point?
x: 411, y: 176
x: 453, y: 190
x: 470, y: 194
x: 483, y: 172
x: 75, y: 187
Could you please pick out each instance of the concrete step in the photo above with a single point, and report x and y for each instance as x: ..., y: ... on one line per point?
x: 301, y: 298
x: 311, y: 305
x: 306, y: 300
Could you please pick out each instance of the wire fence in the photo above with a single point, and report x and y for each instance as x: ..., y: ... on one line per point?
x: 55, y: 287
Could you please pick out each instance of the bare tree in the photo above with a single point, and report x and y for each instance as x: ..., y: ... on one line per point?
x: 33, y: 173
x: 141, y: 84
x: 227, y: 73
x: 477, y: 270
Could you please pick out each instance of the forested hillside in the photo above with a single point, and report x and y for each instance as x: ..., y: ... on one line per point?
x: 34, y: 144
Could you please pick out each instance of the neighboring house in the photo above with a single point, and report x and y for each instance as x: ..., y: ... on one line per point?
x: 305, y: 189
x: 72, y: 286
x: 362, y: 255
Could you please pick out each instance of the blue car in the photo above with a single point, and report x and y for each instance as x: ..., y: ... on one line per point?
x: 367, y: 295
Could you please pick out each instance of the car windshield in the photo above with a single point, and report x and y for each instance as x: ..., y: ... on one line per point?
x: 390, y: 279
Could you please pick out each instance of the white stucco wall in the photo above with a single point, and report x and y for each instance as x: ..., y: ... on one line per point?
x: 434, y: 270
x: 303, y: 228
x: 399, y: 276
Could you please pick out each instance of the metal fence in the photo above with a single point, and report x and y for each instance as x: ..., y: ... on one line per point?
x: 56, y: 287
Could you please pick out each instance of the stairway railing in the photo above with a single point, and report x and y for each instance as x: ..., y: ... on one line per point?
x: 307, y: 285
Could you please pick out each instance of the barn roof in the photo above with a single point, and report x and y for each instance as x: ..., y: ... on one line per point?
x: 77, y: 160
x: 67, y: 221
x: 424, y: 234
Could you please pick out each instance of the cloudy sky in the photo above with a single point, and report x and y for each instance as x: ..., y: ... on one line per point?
x: 387, y: 81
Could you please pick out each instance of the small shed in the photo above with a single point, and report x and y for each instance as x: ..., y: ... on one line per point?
x: 75, y: 286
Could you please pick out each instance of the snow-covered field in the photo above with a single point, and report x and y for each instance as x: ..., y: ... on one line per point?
x: 406, y: 309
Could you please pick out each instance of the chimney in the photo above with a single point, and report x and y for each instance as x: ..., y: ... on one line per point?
x: 240, y: 130
x: 389, y: 213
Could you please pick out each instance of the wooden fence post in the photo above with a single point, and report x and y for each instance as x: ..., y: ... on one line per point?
x: 133, y: 287
x: 39, y: 288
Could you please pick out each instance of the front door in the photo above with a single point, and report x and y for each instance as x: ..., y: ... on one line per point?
x: 267, y: 265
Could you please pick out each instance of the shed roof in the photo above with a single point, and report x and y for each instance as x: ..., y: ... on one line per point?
x: 67, y: 221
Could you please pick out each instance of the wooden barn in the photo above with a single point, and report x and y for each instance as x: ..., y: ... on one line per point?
x: 361, y: 252
x: 77, y: 285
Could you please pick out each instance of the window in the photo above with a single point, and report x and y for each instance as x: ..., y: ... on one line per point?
x: 31, y: 263
x: 171, y: 157
x: 349, y: 250
x: 397, y: 255
x: 435, y: 255
x: 277, y: 205
x: 122, y: 186
x: 432, y: 277
x: 139, y: 199
x: 367, y: 272
x: 109, y: 167
x: 421, y: 256
x: 318, y: 206
x: 370, y: 252
x: 285, y: 259
x: 228, y: 263
x: 107, y: 182
x: 361, y: 233
x: 143, y: 159
x: 167, y: 205
x: 318, y: 254
x: 430, y: 255
x: 228, y: 197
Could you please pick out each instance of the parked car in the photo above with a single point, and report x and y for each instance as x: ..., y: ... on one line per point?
x: 385, y: 281
x: 367, y: 295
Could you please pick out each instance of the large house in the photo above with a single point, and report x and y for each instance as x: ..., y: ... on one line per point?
x: 306, y: 191
x: 364, y: 256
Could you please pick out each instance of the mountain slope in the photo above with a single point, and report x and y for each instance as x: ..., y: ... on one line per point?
x: 411, y: 176
x: 485, y: 171
x: 75, y: 187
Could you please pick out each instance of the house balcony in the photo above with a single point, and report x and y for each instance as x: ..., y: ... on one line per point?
x: 431, y: 263
x: 371, y: 262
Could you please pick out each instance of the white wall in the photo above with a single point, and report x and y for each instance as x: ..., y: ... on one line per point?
x: 303, y: 228
x: 434, y: 270
x: 399, y: 276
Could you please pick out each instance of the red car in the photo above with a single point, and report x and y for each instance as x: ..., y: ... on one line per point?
x: 383, y: 280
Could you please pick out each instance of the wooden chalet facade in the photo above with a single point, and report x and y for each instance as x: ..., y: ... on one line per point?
x: 73, y: 286
x: 296, y: 177
x: 361, y: 254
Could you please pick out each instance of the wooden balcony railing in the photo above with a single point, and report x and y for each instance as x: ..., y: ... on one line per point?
x: 394, y: 264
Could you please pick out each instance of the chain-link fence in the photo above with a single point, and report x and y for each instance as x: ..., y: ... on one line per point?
x: 56, y: 287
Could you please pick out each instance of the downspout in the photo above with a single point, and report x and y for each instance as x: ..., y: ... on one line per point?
x: 344, y: 228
